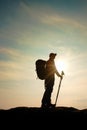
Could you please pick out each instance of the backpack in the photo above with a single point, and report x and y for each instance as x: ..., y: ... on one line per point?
x: 40, y: 68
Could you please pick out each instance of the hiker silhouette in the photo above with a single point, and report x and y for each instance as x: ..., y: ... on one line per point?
x: 49, y: 81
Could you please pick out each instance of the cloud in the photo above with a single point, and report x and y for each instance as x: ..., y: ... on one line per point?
x: 10, y: 51
x: 33, y: 25
x: 17, y: 67
x: 15, y: 54
x: 15, y: 71
x: 48, y: 15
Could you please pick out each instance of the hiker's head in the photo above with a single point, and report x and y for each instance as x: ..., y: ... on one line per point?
x: 52, y: 55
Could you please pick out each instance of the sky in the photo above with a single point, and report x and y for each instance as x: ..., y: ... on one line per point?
x: 30, y: 30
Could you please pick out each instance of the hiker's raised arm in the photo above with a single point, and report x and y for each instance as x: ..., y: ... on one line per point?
x: 58, y: 74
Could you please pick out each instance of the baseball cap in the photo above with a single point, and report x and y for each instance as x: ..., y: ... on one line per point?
x: 52, y: 54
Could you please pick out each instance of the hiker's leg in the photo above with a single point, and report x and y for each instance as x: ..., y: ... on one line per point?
x: 49, y: 82
x: 46, y: 100
x: 46, y: 97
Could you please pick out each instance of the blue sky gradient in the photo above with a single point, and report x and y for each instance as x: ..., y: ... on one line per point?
x: 31, y: 29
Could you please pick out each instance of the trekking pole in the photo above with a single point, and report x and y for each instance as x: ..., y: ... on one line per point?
x: 62, y: 73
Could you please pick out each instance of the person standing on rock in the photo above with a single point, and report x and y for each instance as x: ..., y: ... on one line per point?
x: 49, y: 81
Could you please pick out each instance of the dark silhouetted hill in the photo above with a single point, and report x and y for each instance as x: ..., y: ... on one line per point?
x: 35, y: 117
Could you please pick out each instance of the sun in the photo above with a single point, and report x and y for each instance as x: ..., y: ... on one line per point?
x: 61, y: 65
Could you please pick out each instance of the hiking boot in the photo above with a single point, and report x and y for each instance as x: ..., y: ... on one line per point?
x: 44, y: 106
x: 52, y: 106
x: 48, y: 105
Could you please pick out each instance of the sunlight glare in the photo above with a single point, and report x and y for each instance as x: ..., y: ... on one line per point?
x: 61, y: 65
